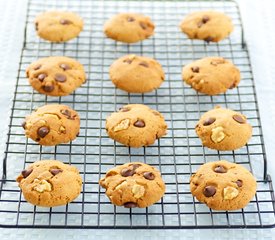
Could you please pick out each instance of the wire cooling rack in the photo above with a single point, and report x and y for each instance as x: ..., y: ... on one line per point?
x: 177, y: 155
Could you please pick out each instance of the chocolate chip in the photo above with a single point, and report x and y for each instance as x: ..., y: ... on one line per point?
x: 208, y: 39
x: 238, y: 119
x: 37, y: 139
x: 43, y: 131
x: 67, y: 114
x: 195, y: 69
x: 41, y: 77
x: 124, y: 109
x: 220, y: 169
x: 48, y: 88
x: 126, y: 172
x: 36, y: 26
x: 37, y: 67
x: 139, y: 124
x: 130, y: 205
x: 55, y: 171
x: 129, y: 61
x: 64, y: 66
x: 209, y: 121
x: 144, y: 64
x: 130, y: 19
x: 239, y: 183
x: 25, y: 173
x: 65, y: 21
x: 135, y: 166
x: 143, y: 25
x: 23, y: 124
x: 232, y: 86
x: 209, y: 191
x: 149, y: 175
x: 205, y: 19
x: 60, y: 77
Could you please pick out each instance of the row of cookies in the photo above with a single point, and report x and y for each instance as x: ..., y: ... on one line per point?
x: 61, y: 26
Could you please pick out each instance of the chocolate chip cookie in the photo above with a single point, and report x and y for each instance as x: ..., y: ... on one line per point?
x: 223, y: 129
x: 56, y: 76
x: 58, y: 26
x: 223, y: 185
x: 211, y: 75
x: 50, y: 183
x: 136, y: 125
x: 133, y: 185
x: 52, y: 124
x: 129, y: 27
x: 136, y: 74
x: 210, y: 26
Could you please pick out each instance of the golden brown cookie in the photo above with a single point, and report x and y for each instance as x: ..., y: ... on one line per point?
x: 133, y: 185
x: 58, y: 26
x: 52, y: 124
x: 129, y: 27
x: 136, y: 125
x: 56, y: 76
x: 210, y: 26
x: 223, y: 129
x: 136, y: 74
x: 50, y: 183
x: 211, y: 75
x: 223, y: 185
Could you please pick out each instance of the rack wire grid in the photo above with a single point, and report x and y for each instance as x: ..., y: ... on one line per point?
x: 177, y: 155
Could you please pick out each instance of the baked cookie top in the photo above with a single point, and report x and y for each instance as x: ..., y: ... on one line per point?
x: 50, y: 183
x: 52, y: 124
x: 223, y: 185
x: 223, y: 129
x: 210, y: 26
x: 58, y: 26
x: 136, y: 125
x: 136, y: 74
x: 133, y: 185
x: 56, y: 76
x: 211, y: 75
x: 129, y: 27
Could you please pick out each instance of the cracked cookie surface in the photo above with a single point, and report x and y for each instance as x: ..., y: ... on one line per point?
x: 133, y: 185
x: 211, y: 75
x: 50, y: 183
x: 210, y: 26
x: 223, y: 129
x: 52, y: 124
x: 58, y: 26
x: 56, y: 76
x: 129, y: 27
x: 136, y: 125
x: 136, y: 74
x: 222, y: 185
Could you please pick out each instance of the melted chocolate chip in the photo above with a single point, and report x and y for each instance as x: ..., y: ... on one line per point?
x: 238, y: 119
x: 195, y: 69
x: 126, y: 172
x: 139, y: 124
x: 232, y: 86
x: 220, y: 169
x: 130, y: 205
x: 239, y: 183
x: 23, y: 124
x: 205, y: 19
x: 41, y: 77
x: 130, y: 19
x: 124, y: 109
x: 67, y: 114
x: 60, y: 77
x: 56, y: 171
x: 25, y: 173
x: 209, y: 191
x: 36, y: 26
x: 209, y: 121
x: 129, y: 61
x: 143, y: 25
x: 135, y: 166
x: 64, y: 66
x: 48, y: 88
x: 149, y: 175
x: 37, y: 67
x: 208, y: 39
x: 65, y: 21
x: 43, y: 131
x: 144, y: 64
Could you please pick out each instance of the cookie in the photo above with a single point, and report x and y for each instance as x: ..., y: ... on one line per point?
x: 58, y: 26
x: 223, y: 129
x: 211, y: 75
x: 50, y: 183
x: 136, y: 125
x: 56, y: 76
x: 136, y: 74
x: 210, y: 26
x: 52, y: 124
x: 129, y: 27
x: 223, y: 185
x: 133, y: 185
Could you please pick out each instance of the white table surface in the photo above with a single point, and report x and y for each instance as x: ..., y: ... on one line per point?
x: 259, y: 21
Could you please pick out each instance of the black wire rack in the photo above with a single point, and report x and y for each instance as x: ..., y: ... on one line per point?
x: 177, y: 155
